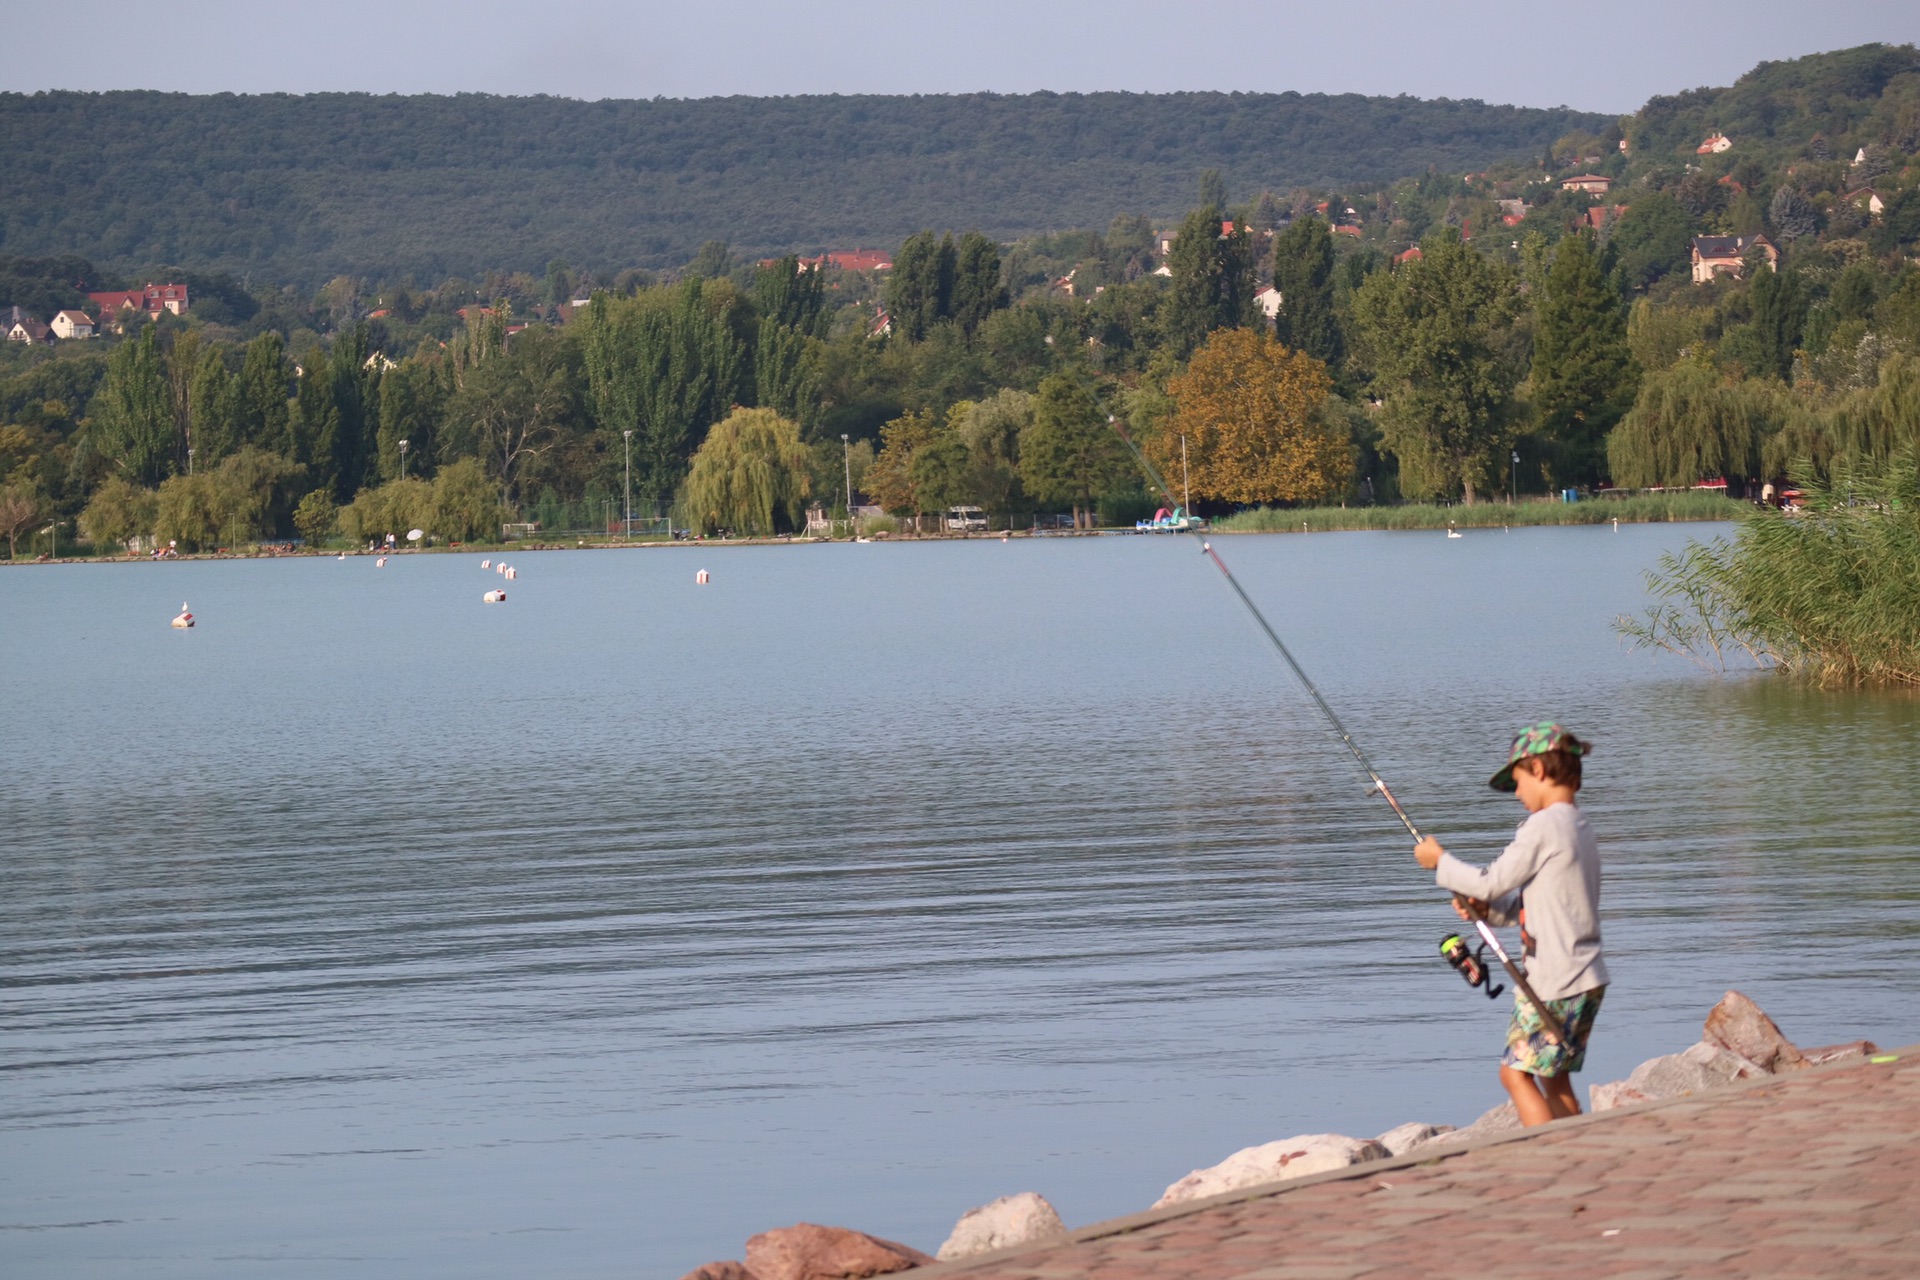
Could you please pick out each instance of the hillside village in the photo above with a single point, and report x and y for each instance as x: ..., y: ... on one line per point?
x: 1720, y: 289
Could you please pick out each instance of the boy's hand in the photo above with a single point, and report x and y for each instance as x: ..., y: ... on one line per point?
x: 1427, y: 853
x: 1468, y: 909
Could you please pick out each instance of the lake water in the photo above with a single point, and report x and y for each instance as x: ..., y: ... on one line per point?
x: 367, y: 929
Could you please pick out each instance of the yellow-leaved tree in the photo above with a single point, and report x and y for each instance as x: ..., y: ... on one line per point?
x: 1250, y: 409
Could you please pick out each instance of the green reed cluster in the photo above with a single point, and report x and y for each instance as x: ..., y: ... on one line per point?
x: 1646, y: 509
x: 1831, y: 592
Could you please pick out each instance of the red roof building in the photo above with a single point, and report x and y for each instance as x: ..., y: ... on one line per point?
x: 153, y: 299
x: 850, y: 260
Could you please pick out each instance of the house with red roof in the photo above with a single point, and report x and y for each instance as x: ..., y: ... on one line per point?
x: 845, y: 260
x: 153, y: 299
x: 1727, y: 255
x: 1592, y: 183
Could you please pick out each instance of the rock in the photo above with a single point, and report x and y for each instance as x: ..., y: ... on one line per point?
x: 1273, y: 1162
x: 1401, y: 1139
x: 1008, y: 1221
x: 1737, y: 1025
x: 1840, y: 1052
x: 1618, y: 1093
x: 1700, y: 1066
x: 808, y: 1251
x: 1502, y: 1119
x: 728, y: 1270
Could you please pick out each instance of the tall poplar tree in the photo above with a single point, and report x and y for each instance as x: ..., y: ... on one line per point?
x: 1303, y: 273
x: 1779, y: 301
x: 1433, y: 332
x: 1583, y: 376
x: 920, y: 286
x: 212, y: 409
x: 1212, y: 281
x: 131, y: 417
x: 665, y: 364
x: 262, y: 416
x: 977, y: 291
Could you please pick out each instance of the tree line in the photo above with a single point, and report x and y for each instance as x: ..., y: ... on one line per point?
x: 1445, y: 336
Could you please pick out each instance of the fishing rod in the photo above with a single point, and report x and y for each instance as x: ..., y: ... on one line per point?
x: 1475, y: 973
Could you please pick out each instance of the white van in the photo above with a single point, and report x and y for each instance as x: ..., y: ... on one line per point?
x: 966, y: 520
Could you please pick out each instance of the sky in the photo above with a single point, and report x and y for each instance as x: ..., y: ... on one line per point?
x: 1598, y: 57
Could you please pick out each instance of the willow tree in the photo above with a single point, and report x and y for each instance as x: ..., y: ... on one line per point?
x: 1435, y: 334
x: 1250, y: 412
x: 750, y: 470
x: 1864, y: 429
x: 1690, y: 423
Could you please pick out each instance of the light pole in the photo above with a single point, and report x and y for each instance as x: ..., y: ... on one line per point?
x: 1513, y: 485
x: 403, y: 459
x: 53, y: 539
x: 189, y: 459
x: 627, y: 435
x: 1186, y: 489
x: 846, y: 460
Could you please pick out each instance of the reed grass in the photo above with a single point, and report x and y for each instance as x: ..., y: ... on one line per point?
x: 1831, y: 593
x: 1644, y: 509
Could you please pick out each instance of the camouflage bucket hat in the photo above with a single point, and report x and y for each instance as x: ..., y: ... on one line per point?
x: 1535, y: 740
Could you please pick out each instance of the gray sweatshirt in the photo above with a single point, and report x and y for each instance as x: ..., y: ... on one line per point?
x: 1554, y: 864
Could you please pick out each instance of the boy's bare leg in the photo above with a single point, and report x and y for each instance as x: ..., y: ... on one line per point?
x: 1560, y: 1096
x: 1533, y: 1106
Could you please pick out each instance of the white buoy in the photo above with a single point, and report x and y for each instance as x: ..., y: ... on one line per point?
x: 501, y: 568
x: 185, y: 619
x: 487, y: 563
x: 1616, y: 524
x: 512, y: 572
x: 381, y: 563
x: 495, y: 596
x: 702, y: 578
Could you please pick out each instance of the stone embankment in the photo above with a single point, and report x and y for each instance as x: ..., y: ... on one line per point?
x: 1729, y: 1157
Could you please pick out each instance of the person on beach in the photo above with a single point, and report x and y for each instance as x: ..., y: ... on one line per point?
x: 1551, y: 872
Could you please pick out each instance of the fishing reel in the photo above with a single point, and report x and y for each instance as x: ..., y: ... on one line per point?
x: 1470, y: 963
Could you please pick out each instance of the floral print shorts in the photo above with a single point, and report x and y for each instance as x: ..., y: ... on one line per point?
x: 1528, y: 1048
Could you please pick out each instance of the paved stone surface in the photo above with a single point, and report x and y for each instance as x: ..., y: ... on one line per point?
x: 1816, y: 1173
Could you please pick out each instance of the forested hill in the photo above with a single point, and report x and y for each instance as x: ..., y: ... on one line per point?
x: 298, y: 188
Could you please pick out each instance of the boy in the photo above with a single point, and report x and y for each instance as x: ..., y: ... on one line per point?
x: 1548, y: 881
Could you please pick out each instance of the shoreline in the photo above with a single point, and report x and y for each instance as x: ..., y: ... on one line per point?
x: 1319, y: 520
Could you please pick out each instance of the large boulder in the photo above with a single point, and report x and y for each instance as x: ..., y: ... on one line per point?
x: 809, y: 1251
x: 731, y: 1269
x: 1008, y: 1221
x: 1403, y: 1138
x: 1273, y: 1162
x: 1739, y: 1026
x: 1502, y: 1119
x: 1617, y: 1093
x: 1696, y: 1068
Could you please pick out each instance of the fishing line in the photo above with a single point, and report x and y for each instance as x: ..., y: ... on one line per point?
x: 1554, y: 1030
